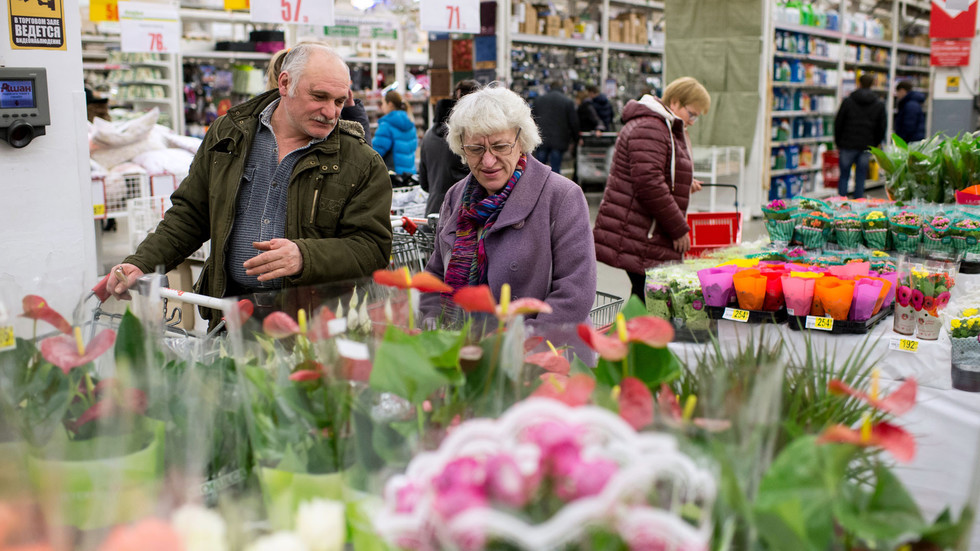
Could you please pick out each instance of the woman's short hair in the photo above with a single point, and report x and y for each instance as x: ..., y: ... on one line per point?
x: 394, y: 98
x: 295, y: 59
x: 687, y: 91
x: 490, y: 110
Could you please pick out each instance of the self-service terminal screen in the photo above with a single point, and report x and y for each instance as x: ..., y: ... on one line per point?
x: 16, y: 94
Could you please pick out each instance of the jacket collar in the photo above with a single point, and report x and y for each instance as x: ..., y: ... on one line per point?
x: 525, y: 194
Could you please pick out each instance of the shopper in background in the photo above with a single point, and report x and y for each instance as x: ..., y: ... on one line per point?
x: 603, y: 107
x: 910, y: 119
x: 588, y: 119
x: 96, y: 106
x: 439, y: 167
x: 512, y: 220
x: 396, y: 138
x: 642, y: 217
x: 860, y: 124
x: 353, y: 109
x: 288, y: 194
x: 555, y: 115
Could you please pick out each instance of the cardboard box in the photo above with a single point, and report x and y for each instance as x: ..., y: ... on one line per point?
x: 568, y: 27
x: 440, y: 53
x: 615, y: 30
x: 440, y: 83
x: 530, y: 24
x: 552, y: 25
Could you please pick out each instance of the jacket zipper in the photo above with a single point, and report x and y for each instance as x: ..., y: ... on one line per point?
x: 316, y: 197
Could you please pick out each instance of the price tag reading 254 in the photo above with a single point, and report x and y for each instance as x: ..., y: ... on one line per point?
x: 820, y: 322
x: 297, y: 12
x: 450, y: 16
x: 734, y: 314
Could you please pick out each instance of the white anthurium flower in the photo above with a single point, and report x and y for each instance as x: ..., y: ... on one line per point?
x: 280, y: 541
x: 200, y: 529
x: 363, y: 317
x: 322, y: 525
x: 389, y: 313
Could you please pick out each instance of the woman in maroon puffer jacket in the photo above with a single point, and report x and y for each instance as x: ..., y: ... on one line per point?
x: 641, y: 221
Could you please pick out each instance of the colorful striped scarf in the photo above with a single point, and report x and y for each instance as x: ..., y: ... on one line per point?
x: 468, y: 261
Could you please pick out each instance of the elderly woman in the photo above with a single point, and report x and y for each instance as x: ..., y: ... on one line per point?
x: 642, y: 218
x: 511, y: 220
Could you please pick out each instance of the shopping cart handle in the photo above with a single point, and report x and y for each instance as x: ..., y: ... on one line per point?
x: 733, y: 186
x: 101, y: 290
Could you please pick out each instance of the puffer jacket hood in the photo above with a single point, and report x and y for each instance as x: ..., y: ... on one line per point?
x: 913, y: 96
x: 864, y: 96
x: 634, y: 110
x: 399, y: 119
x: 396, y: 141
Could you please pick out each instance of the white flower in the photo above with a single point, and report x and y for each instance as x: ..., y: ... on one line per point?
x: 201, y: 529
x: 280, y: 541
x: 321, y: 524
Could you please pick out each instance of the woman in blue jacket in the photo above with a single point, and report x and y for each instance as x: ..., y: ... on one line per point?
x: 396, y: 138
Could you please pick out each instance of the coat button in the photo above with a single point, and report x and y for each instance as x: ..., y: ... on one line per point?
x: 335, y: 167
x: 513, y: 266
x: 324, y: 167
x: 519, y: 225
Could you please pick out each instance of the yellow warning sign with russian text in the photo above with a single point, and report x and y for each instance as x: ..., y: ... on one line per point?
x: 37, y: 24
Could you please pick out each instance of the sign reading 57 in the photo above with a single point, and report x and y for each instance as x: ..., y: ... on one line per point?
x: 453, y: 16
x: 297, y: 12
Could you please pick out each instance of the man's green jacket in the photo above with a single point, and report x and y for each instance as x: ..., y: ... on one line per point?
x: 338, y: 206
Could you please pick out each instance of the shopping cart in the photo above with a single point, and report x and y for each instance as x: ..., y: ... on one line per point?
x: 412, y: 242
x: 604, y: 310
x: 714, y: 230
x: 593, y: 158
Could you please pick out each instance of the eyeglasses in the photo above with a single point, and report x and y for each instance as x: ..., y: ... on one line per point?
x: 692, y: 117
x: 474, y: 151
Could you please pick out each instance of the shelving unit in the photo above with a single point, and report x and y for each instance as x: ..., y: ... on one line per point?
x: 821, y: 65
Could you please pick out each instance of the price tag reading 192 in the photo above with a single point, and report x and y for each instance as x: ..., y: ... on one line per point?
x: 734, y: 314
x: 820, y: 322
x: 904, y: 345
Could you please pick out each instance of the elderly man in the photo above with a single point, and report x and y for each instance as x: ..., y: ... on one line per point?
x: 288, y: 194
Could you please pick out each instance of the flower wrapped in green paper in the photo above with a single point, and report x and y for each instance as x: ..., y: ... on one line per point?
x: 658, y: 299
x: 813, y: 228
x: 688, y: 303
x: 779, y: 221
x: 847, y: 228
x: 906, y: 231
x: 874, y: 224
x: 936, y: 235
x: 966, y: 235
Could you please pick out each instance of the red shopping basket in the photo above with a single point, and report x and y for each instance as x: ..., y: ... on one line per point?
x: 831, y: 168
x: 714, y: 230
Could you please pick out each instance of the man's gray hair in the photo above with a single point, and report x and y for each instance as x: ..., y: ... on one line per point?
x: 299, y: 56
x: 488, y: 111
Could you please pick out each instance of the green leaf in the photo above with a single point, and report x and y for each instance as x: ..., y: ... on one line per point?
x: 130, y: 352
x: 634, y: 308
x: 899, y: 142
x: 654, y: 366
x: 948, y: 534
x: 442, y: 347
x: 402, y: 366
x: 884, y: 160
x: 890, y: 515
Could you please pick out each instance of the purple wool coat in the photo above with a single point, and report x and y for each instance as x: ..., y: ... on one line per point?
x: 541, y: 245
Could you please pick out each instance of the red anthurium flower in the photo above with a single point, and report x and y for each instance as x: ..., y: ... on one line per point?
x: 37, y: 309
x: 145, y: 535
x: 403, y: 279
x: 476, y: 299
x: 532, y: 342
x: 573, y: 391
x: 63, y: 351
x: 279, y: 325
x: 551, y: 361
x: 635, y: 403
x: 355, y: 370
x: 305, y: 375
x: 649, y: 330
x: 675, y: 416
x: 895, y: 439
x: 896, y: 403
x: 669, y: 406
x: 903, y: 295
x: 129, y: 400
x: 523, y: 306
x: 245, y: 311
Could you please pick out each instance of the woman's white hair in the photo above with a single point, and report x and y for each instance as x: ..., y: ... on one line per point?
x: 490, y: 110
x: 298, y: 57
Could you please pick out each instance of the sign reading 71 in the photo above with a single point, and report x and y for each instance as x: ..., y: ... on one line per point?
x: 452, y: 16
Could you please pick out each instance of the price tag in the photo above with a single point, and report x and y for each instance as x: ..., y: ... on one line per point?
x: 103, y: 10
x: 7, y: 340
x: 149, y: 28
x: 352, y: 349
x: 450, y: 16
x: 734, y: 314
x: 904, y: 345
x: 820, y: 322
x: 236, y: 4
x: 297, y: 12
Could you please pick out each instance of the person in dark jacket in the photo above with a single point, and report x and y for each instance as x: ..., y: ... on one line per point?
x: 588, y: 119
x: 860, y: 124
x: 910, y: 119
x: 603, y: 107
x: 332, y: 225
x: 396, y: 138
x: 641, y: 220
x: 439, y: 167
x: 555, y: 115
x: 353, y: 109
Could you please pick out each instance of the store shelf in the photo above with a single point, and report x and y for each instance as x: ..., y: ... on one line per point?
x: 912, y: 69
x: 164, y: 64
x: 869, y: 41
x: 100, y: 39
x: 652, y: 4
x: 867, y: 65
x: 161, y: 101
x: 806, y: 57
x: 197, y: 14
x: 798, y: 170
x: 637, y: 48
x: 101, y: 66
x: 88, y: 54
x: 785, y: 84
x: 792, y: 114
x: 214, y: 54
x: 913, y: 49
x: 556, y: 41
x: 140, y: 82
x: 816, y: 31
x: 797, y: 141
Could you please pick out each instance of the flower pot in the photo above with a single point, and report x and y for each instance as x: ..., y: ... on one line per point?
x: 832, y: 297
x: 850, y: 270
x: 876, y: 238
x: 849, y: 238
x: 774, y: 289
x: 965, y: 364
x: 927, y: 326
x: 798, y: 293
x: 750, y: 289
x: 867, y: 293
x: 717, y: 285
x: 892, y: 278
x: 284, y: 491
x: 780, y: 231
x: 904, y: 323
x: 13, y: 482
x: 79, y: 488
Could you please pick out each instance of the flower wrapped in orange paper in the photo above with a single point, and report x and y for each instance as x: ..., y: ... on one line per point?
x: 832, y: 297
x: 750, y: 288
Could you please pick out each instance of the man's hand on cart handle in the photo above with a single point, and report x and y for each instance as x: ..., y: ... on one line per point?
x: 683, y: 244
x: 281, y: 258
x: 123, y: 276
x: 696, y: 185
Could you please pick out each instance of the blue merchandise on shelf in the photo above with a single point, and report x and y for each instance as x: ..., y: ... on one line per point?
x: 793, y: 157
